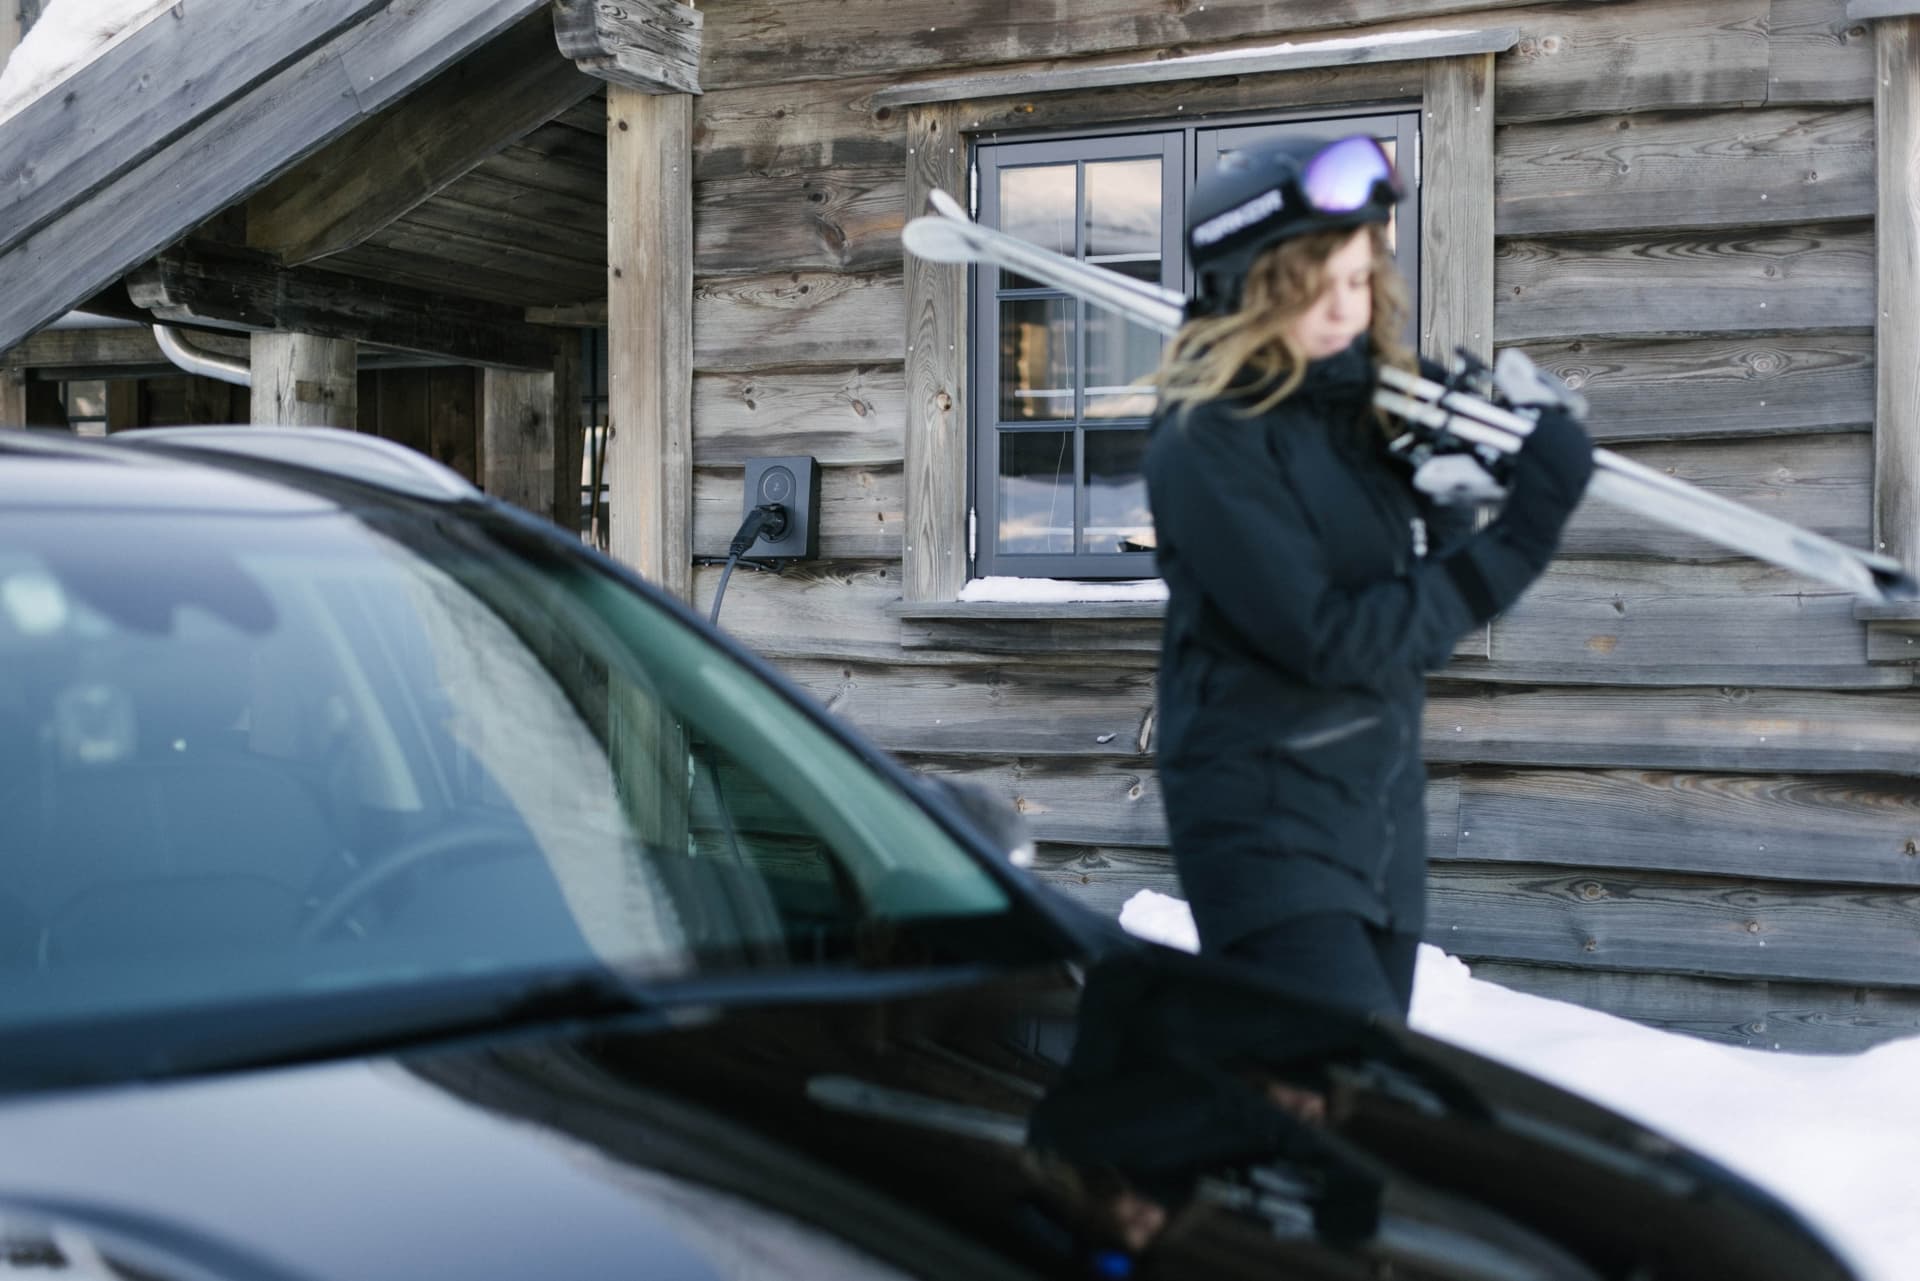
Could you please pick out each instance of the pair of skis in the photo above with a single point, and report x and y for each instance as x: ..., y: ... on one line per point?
x: 1450, y: 420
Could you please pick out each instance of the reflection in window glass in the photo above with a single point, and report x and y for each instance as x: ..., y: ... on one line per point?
x: 1123, y: 216
x: 1115, y: 494
x: 1036, y: 204
x: 1036, y: 492
x: 1120, y: 355
x: 1036, y: 359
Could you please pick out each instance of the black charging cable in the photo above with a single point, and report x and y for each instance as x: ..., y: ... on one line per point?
x: 769, y: 519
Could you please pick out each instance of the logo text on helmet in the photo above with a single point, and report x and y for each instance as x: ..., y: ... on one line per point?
x: 1220, y: 226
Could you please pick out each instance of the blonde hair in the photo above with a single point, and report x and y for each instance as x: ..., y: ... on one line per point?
x: 1212, y: 353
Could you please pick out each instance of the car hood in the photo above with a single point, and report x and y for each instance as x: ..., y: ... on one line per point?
x: 1157, y: 1115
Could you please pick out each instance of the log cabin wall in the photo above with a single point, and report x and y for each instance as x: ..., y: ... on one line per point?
x: 1671, y: 783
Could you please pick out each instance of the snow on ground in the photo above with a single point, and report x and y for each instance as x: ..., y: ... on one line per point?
x: 67, y: 36
x: 1836, y: 1137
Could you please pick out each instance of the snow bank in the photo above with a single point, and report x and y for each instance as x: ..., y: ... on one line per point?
x: 1833, y: 1136
x: 68, y: 35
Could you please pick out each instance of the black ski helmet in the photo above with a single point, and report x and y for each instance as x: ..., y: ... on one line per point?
x: 1272, y: 191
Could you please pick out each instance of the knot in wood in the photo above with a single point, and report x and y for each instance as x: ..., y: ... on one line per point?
x: 944, y: 401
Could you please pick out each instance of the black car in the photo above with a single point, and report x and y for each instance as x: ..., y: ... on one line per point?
x: 396, y: 888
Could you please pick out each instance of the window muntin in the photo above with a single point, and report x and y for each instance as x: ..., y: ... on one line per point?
x: 1060, y: 429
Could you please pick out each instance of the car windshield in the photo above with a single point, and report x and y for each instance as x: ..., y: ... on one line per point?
x: 264, y: 754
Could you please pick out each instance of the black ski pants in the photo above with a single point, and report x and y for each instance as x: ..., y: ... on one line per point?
x: 1336, y: 959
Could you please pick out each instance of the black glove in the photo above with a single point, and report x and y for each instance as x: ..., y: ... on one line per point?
x: 1550, y: 473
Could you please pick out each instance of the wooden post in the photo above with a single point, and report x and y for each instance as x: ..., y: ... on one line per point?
x: 1896, y: 423
x: 516, y: 438
x: 300, y: 380
x: 650, y: 333
x: 934, y: 564
x: 1456, y: 214
x: 13, y: 398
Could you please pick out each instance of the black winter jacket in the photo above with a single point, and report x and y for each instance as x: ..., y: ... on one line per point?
x: 1311, y: 589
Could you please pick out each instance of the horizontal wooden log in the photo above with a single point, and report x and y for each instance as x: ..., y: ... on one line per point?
x: 424, y: 260
x: 1676, y: 924
x: 379, y: 171
x: 860, y: 511
x: 1098, y: 800
x: 1847, y: 829
x: 837, y: 219
x: 1819, y: 54
x: 246, y: 289
x: 156, y: 200
x: 768, y: 44
x: 650, y: 45
x: 1639, y: 614
x: 813, y: 609
x: 1775, y: 280
x: 798, y: 318
x: 841, y: 417
x: 115, y: 348
x: 1684, y: 171
x: 1794, y: 1018
x: 1102, y: 878
x: 1892, y: 640
x: 489, y: 204
x: 1672, y: 388
x: 1039, y: 711
x: 1760, y: 730
x: 167, y: 76
x: 1578, y: 60
x: 1820, y: 483
x: 776, y: 131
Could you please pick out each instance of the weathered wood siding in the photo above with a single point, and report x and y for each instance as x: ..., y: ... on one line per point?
x: 1675, y: 785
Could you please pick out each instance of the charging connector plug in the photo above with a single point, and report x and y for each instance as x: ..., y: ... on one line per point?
x: 768, y: 520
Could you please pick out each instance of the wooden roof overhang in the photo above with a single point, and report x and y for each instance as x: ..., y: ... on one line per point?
x: 418, y: 175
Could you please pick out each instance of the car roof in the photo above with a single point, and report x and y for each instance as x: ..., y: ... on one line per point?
x: 205, y: 469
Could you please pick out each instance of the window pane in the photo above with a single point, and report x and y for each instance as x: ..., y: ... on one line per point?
x: 1036, y: 491
x: 1036, y: 204
x: 1116, y: 495
x: 1036, y: 359
x: 1119, y: 354
x: 1123, y: 216
x: 87, y: 400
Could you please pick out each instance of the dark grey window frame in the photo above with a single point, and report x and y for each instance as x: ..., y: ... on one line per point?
x: 1188, y: 148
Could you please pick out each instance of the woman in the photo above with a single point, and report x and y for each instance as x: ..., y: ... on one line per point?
x: 1311, y: 586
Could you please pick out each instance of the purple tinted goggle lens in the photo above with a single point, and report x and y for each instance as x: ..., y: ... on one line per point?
x: 1341, y: 176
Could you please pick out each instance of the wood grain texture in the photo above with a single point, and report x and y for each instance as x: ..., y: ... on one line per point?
x: 1675, y: 171
x: 172, y: 73
x: 1677, y: 924
x: 13, y: 397
x: 1781, y: 280
x: 1456, y: 216
x: 404, y: 254
x: 401, y: 158
x: 841, y: 218
x: 1581, y: 60
x: 1793, y: 1018
x: 1896, y: 517
x: 762, y: 42
x: 1822, y: 483
x: 517, y: 438
x: 1845, y: 829
x: 303, y: 380
x: 934, y: 565
x: 650, y: 333
x: 1819, y: 55
x: 652, y: 46
x: 774, y: 131
x: 160, y: 197
x: 852, y: 416
x: 1668, y: 389
x: 798, y: 318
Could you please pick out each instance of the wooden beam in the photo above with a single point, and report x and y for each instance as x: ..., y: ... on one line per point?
x: 650, y: 333
x: 305, y: 380
x: 1456, y: 218
x: 652, y: 46
x: 517, y: 439
x: 13, y: 398
x: 934, y: 566
x: 180, y: 68
x: 188, y: 175
x: 1896, y: 433
x: 401, y: 158
x: 231, y: 287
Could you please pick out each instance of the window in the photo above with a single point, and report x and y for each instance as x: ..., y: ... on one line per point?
x: 1060, y: 415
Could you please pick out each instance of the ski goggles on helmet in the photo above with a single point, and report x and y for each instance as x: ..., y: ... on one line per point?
x: 1342, y: 183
